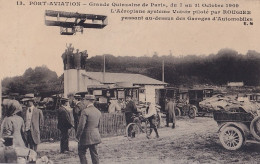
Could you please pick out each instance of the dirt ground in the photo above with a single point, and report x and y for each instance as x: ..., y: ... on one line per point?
x: 192, y: 141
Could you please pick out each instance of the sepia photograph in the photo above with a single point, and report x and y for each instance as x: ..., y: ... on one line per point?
x: 130, y: 82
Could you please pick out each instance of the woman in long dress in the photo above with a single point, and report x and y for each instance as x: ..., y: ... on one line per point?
x: 13, y: 124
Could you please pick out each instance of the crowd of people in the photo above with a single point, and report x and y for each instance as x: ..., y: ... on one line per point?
x: 73, y: 60
x: 21, y: 126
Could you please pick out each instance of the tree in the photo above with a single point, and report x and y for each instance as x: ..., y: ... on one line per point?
x: 37, y: 81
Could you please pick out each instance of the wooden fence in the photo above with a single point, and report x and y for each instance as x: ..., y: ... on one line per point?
x: 110, y: 125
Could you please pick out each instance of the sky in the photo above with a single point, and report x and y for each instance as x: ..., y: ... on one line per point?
x: 27, y: 42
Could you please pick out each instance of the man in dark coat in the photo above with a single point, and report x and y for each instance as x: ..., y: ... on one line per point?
x: 64, y: 124
x: 77, y: 105
x: 88, y: 134
x: 64, y: 58
x: 170, y: 114
x: 83, y: 59
x: 77, y: 58
x: 33, y: 123
x: 77, y: 112
x: 70, y: 57
x: 130, y: 110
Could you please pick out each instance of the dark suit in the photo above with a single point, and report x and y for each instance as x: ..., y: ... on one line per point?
x: 33, y: 134
x: 170, y: 113
x: 88, y: 134
x: 129, y: 110
x: 78, y: 107
x: 64, y: 124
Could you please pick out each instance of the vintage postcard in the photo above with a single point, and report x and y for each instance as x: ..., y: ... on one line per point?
x: 130, y: 81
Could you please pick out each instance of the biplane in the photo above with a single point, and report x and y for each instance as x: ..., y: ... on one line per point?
x: 70, y: 22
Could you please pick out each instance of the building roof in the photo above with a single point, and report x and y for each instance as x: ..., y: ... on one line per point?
x: 235, y: 84
x: 112, y: 78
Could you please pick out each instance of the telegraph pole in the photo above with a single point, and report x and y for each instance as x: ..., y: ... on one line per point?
x: 163, y: 70
x: 1, y: 98
x: 104, y: 69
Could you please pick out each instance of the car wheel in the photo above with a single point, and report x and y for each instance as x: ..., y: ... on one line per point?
x: 231, y: 138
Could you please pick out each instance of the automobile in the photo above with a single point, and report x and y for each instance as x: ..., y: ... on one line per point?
x: 238, y: 125
x: 195, y: 97
x: 164, y: 94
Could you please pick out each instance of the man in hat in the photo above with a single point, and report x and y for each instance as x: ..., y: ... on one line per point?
x: 77, y: 105
x: 65, y: 122
x: 88, y: 134
x: 33, y: 122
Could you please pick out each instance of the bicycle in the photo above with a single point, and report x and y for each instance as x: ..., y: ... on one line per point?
x: 133, y: 129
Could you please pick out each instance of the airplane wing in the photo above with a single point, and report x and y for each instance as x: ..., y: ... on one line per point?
x: 93, y: 21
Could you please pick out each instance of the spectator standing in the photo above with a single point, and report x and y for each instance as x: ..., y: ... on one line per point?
x: 170, y: 114
x: 88, y: 134
x: 73, y: 102
x: 13, y: 124
x: 65, y: 123
x: 77, y: 58
x: 79, y: 106
x: 64, y: 58
x: 83, y: 59
x: 114, y: 106
x: 33, y: 123
x: 122, y: 103
x: 130, y: 109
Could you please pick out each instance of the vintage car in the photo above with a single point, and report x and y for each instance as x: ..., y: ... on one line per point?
x: 238, y: 124
x: 180, y: 97
x: 187, y: 101
x: 195, y: 97
x: 214, y: 102
x: 104, y: 93
x: 255, y: 97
